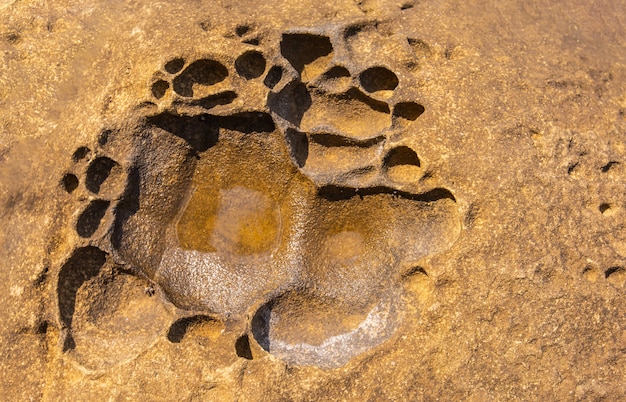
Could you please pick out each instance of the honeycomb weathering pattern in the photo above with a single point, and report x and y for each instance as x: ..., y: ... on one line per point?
x: 274, y: 192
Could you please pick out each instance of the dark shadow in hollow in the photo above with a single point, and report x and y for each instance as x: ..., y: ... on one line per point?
x: 613, y: 270
x: 202, y: 72
x: 80, y: 153
x: 98, y: 171
x: 408, y: 110
x: 402, y: 155
x: 298, y: 145
x: 127, y: 207
x: 378, y: 79
x: 89, y: 220
x: 251, y: 64
x: 84, y: 264
x: 301, y: 49
x: 179, y: 329
x: 175, y: 65
x: 333, y: 140
x: 209, y: 102
x: 159, y: 88
x: 337, y: 193
x: 273, y: 77
x: 261, y: 326
x: 245, y: 122
x: 199, y: 132
x: 291, y: 102
x: 242, y: 347
x: 202, y: 132
x: 70, y: 182
x: 354, y: 93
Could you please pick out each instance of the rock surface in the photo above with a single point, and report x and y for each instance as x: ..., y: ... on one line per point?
x: 353, y: 200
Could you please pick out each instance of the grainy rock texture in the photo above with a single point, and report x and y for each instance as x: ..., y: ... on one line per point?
x: 354, y: 200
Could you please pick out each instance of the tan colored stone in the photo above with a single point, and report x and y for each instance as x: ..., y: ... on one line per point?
x: 353, y: 200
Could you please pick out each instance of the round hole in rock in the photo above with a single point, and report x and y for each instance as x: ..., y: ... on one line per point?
x: 605, y: 209
x: 98, y: 171
x: 250, y: 65
x: 174, y: 66
x: 159, y: 88
x: 241, y: 30
x: 273, y: 77
x: 70, y: 182
x: 378, y: 79
x: 80, y: 154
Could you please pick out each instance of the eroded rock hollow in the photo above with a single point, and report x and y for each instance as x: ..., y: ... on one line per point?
x: 370, y: 200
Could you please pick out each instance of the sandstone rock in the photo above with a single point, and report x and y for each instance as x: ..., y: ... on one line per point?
x: 356, y: 200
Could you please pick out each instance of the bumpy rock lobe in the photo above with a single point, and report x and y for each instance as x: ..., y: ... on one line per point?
x: 231, y: 199
x: 362, y: 201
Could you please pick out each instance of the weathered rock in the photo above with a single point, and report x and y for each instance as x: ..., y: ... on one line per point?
x: 370, y: 200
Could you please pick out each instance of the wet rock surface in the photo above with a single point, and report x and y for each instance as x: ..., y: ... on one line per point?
x: 370, y: 200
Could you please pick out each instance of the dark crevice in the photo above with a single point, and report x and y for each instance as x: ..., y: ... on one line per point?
x: 89, y: 221
x: 356, y: 29
x: 209, y: 102
x: 333, y: 140
x: 104, y: 137
x: 336, y: 193
x: 608, y: 166
x: 42, y: 328
x: 612, y: 271
x: 68, y: 342
x: 251, y: 41
x: 572, y: 167
x: 241, y: 30
x: 419, y: 45
x: 354, y: 93
x: 414, y: 271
